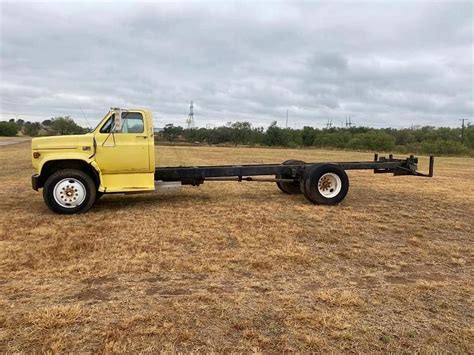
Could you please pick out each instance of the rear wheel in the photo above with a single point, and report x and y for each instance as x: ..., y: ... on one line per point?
x: 291, y: 188
x: 69, y: 191
x: 325, y: 184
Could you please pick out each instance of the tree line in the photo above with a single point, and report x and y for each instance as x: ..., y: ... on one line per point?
x: 420, y: 140
x: 50, y: 127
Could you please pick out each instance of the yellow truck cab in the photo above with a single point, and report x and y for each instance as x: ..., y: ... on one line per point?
x: 118, y: 156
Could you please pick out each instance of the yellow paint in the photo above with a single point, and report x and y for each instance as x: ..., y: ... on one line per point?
x: 125, y: 161
x: 61, y: 148
x: 128, y: 182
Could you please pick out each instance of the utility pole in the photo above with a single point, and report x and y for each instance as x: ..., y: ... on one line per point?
x: 462, y: 128
x: 329, y: 124
x: 348, y: 122
x: 190, y: 119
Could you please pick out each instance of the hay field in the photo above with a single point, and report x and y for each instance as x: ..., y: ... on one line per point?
x: 241, y: 267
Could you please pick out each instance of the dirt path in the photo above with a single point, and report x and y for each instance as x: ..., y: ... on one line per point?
x: 13, y: 140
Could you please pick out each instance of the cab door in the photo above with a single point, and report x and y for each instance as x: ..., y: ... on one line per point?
x: 124, y: 151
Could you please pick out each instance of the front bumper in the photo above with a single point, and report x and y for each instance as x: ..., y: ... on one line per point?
x: 35, y: 184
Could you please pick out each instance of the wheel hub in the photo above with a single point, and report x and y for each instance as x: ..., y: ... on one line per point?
x: 324, y: 183
x: 69, y: 193
x: 329, y: 185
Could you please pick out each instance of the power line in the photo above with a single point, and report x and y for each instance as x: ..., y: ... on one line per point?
x: 88, y: 123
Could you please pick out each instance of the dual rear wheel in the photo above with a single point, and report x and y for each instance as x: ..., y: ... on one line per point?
x: 290, y: 188
x: 323, y: 184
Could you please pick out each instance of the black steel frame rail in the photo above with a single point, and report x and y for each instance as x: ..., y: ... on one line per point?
x: 197, y: 174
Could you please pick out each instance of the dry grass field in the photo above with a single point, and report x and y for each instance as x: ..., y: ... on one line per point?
x: 241, y: 266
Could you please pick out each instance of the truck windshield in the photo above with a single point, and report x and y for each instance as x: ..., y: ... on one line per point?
x: 100, y: 122
x: 107, y: 127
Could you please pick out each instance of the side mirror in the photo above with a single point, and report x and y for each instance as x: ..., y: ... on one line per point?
x: 117, y: 120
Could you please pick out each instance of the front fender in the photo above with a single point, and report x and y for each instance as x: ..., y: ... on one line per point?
x: 47, y: 157
x: 56, y: 162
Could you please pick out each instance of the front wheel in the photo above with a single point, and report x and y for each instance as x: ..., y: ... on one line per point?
x: 325, y: 184
x: 69, y: 191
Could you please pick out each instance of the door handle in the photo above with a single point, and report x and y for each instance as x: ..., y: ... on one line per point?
x: 141, y: 137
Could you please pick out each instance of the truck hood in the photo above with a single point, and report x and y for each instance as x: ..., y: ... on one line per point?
x: 76, y: 142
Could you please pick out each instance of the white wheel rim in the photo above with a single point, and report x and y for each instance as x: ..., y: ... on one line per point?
x: 69, y: 193
x: 329, y: 185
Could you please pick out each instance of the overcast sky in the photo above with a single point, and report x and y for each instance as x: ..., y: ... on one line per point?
x: 389, y: 63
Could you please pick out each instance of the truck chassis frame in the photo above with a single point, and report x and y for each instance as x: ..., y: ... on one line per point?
x: 321, y: 183
x: 196, y: 175
x: 72, y: 190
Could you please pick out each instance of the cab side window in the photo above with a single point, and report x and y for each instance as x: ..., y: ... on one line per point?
x: 132, y: 122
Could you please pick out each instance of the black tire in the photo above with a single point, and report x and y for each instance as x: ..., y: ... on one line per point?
x: 89, y: 191
x: 312, y: 178
x: 290, y: 188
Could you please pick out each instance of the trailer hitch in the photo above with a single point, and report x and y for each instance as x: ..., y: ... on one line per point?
x: 408, y: 166
x: 430, y: 169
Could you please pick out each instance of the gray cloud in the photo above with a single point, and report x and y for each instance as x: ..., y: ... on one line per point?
x: 383, y: 64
